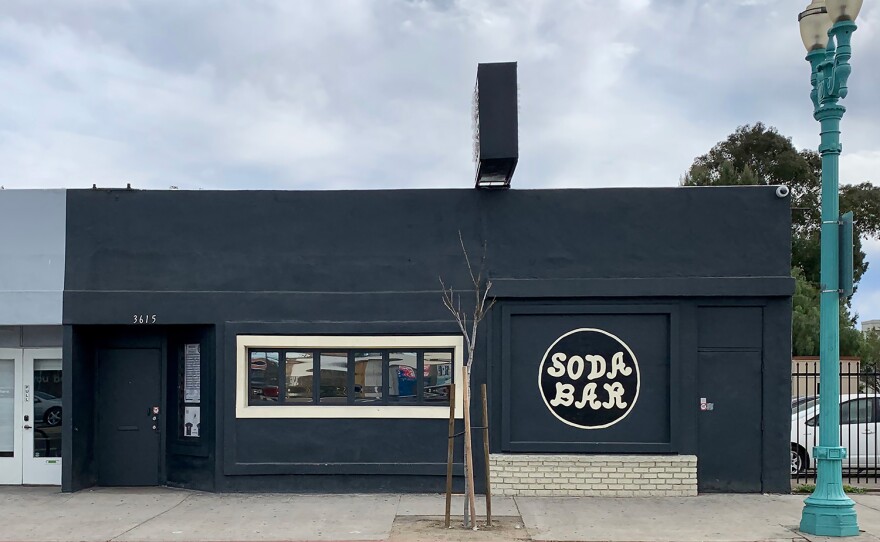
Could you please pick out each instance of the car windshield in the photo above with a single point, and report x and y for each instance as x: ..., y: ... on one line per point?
x: 44, y: 396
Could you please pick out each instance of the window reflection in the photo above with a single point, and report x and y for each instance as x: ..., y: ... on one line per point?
x: 857, y: 411
x: 402, y: 377
x: 355, y: 376
x: 368, y: 377
x: 47, y: 408
x: 438, y: 376
x: 264, y: 376
x: 7, y: 406
x: 333, y: 377
x: 298, y: 374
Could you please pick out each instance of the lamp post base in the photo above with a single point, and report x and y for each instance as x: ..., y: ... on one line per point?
x: 832, y: 518
x: 828, y: 511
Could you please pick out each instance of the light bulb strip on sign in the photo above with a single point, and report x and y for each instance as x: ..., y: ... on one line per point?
x: 572, y: 378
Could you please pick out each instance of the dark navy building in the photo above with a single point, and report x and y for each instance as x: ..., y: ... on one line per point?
x: 297, y: 341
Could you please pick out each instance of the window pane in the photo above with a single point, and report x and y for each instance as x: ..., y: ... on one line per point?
x: 334, y: 377
x: 7, y: 406
x: 857, y: 411
x: 367, y: 377
x: 47, y: 408
x: 402, y: 379
x: 298, y: 369
x: 438, y: 376
x: 263, y: 376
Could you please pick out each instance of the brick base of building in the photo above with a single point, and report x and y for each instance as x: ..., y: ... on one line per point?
x: 594, y: 475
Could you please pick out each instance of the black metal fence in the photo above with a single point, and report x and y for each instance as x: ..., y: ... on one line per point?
x: 859, y: 420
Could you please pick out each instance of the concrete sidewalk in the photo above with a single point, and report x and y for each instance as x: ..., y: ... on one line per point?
x: 37, y: 514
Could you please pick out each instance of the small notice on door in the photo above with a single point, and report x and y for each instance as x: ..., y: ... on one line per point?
x: 191, y: 421
x: 192, y: 374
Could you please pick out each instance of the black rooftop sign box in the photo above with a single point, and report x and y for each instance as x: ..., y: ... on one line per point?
x: 496, y: 141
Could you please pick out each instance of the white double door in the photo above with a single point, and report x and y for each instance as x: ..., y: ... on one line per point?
x: 30, y: 416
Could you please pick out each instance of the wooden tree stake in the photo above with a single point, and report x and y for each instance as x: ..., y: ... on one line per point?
x: 486, y: 455
x: 468, y: 451
x: 450, y: 446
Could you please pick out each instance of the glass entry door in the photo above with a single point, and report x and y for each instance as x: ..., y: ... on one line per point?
x: 30, y: 416
x: 42, y: 416
x: 10, y: 416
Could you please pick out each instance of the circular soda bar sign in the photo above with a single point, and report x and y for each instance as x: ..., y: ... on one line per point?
x: 589, y: 378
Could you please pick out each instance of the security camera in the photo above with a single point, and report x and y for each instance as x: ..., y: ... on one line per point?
x: 782, y: 191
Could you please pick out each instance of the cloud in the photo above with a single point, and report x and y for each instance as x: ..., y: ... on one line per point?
x: 370, y: 94
x: 377, y: 94
x: 860, y: 166
x: 866, y: 301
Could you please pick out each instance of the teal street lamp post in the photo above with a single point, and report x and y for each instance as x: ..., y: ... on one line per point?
x: 826, y: 28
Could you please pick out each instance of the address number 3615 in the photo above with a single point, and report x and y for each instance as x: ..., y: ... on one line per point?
x: 143, y: 319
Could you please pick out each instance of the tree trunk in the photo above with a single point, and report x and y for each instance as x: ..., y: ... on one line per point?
x: 468, y: 449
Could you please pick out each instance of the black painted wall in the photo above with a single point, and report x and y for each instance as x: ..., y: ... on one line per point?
x: 78, y: 432
x: 367, y: 262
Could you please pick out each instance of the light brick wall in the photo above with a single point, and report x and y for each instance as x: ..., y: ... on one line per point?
x: 594, y: 475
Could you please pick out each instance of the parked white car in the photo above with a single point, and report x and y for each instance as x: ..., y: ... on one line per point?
x: 796, y: 402
x: 47, y: 408
x: 858, y: 432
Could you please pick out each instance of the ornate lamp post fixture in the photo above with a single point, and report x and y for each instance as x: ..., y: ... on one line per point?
x: 826, y: 28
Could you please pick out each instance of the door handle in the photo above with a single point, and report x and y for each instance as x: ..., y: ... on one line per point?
x: 27, y: 426
x: 869, y: 432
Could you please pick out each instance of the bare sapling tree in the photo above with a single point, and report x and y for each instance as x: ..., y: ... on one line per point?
x: 469, y: 324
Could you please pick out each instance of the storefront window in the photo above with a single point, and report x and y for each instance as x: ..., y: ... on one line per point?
x: 438, y: 376
x: 403, y: 377
x: 346, y: 376
x: 264, y: 376
x: 368, y: 377
x: 333, y: 379
x: 350, y: 377
x: 298, y: 369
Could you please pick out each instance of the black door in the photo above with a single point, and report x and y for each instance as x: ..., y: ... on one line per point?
x: 730, y: 456
x: 128, y: 447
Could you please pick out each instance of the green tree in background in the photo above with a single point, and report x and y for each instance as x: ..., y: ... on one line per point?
x: 805, y: 321
x: 870, y: 354
x: 758, y: 155
x: 804, y: 316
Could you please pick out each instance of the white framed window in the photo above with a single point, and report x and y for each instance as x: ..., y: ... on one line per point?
x: 348, y: 376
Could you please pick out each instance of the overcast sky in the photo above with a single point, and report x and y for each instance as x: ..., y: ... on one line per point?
x: 377, y: 94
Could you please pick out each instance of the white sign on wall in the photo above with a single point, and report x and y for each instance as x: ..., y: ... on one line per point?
x: 192, y: 421
x: 589, y: 379
x: 192, y: 374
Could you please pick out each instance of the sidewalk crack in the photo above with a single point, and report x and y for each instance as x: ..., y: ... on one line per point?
x: 183, y: 500
x: 799, y: 536
x: 867, y: 506
x: 521, y: 520
x: 396, y: 515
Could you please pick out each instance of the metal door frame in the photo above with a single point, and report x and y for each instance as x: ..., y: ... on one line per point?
x: 37, y: 471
